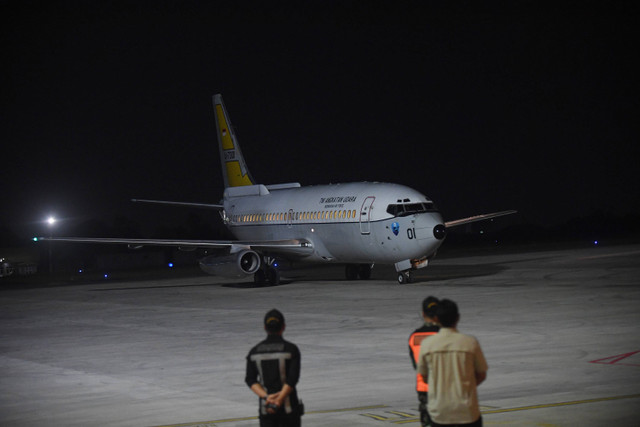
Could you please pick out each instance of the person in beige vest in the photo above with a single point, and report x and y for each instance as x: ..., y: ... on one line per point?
x: 453, y: 365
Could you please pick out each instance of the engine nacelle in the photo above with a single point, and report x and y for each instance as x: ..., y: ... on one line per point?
x: 239, y: 264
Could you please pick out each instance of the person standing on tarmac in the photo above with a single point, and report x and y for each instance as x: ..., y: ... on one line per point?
x: 455, y: 367
x: 429, y: 328
x: 273, y: 370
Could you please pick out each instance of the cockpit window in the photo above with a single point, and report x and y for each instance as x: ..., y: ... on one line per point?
x: 403, y: 209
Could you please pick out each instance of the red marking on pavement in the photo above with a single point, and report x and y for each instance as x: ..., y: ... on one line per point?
x: 613, y: 360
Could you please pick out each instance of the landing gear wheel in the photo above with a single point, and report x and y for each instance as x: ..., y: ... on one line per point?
x: 268, y: 274
x: 260, y: 278
x: 273, y: 276
x: 404, y: 277
x: 364, y: 271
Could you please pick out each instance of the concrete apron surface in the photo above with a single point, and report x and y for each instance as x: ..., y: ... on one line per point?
x: 560, y: 331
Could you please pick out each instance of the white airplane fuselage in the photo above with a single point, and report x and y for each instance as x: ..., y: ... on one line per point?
x: 345, y: 223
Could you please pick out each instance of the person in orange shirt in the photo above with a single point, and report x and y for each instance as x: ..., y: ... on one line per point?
x: 429, y: 328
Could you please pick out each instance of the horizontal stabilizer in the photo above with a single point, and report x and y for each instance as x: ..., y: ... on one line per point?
x: 244, y: 191
x: 476, y: 218
x: 194, y: 205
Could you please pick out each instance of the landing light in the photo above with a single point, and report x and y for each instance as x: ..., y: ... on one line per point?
x: 170, y: 265
x: 595, y: 242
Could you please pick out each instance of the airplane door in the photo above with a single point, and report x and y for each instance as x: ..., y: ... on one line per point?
x: 365, y: 215
x: 290, y: 218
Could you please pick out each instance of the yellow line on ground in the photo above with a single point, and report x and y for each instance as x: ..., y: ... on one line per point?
x: 543, y: 406
x: 231, y: 420
x: 209, y: 423
x: 361, y: 408
x: 413, y: 420
x: 552, y: 405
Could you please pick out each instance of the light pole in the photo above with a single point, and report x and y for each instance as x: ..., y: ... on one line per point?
x: 50, y: 222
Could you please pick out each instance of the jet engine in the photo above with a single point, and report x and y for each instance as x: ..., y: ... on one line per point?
x: 239, y: 264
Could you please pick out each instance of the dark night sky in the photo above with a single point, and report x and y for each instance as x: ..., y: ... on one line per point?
x: 481, y: 108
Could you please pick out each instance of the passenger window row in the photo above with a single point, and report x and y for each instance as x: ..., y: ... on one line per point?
x: 287, y: 217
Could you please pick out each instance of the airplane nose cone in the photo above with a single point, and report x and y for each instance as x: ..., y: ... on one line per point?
x: 439, y: 232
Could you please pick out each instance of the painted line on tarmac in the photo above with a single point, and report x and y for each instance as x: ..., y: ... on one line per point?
x: 553, y: 405
x: 401, y: 417
x: 527, y: 408
x: 231, y: 420
x: 361, y: 408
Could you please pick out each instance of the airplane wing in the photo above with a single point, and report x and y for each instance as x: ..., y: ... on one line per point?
x: 297, y: 247
x: 470, y: 219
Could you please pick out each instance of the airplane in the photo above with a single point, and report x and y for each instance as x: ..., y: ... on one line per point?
x: 357, y: 224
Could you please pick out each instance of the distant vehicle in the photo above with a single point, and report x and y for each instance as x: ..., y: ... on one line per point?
x: 6, y: 269
x: 355, y: 224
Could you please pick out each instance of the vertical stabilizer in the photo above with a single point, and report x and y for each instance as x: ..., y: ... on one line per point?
x: 234, y: 168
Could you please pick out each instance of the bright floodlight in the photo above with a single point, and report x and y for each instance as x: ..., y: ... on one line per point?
x: 51, y: 220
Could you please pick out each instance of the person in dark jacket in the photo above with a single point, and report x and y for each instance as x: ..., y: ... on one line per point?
x: 273, y: 370
x: 429, y: 328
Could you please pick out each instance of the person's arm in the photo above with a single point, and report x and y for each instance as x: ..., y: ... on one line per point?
x: 259, y: 390
x: 480, y: 365
x: 422, y: 366
x: 251, y: 374
x: 413, y: 358
x: 269, y: 398
x: 480, y: 377
x: 278, y: 398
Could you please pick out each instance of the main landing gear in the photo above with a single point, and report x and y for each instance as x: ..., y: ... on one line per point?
x: 268, y: 274
x: 404, y: 277
x: 358, y: 271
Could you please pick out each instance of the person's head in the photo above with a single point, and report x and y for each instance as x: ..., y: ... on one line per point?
x: 429, y: 306
x: 447, y: 313
x: 274, y: 322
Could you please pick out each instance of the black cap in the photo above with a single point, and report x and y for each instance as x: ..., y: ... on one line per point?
x: 273, y: 321
x: 429, y: 306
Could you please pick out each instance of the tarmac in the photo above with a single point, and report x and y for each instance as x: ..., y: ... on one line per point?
x: 559, y: 329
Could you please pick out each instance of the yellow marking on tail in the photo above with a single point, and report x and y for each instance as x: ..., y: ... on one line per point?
x: 235, y: 177
x: 225, y: 133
